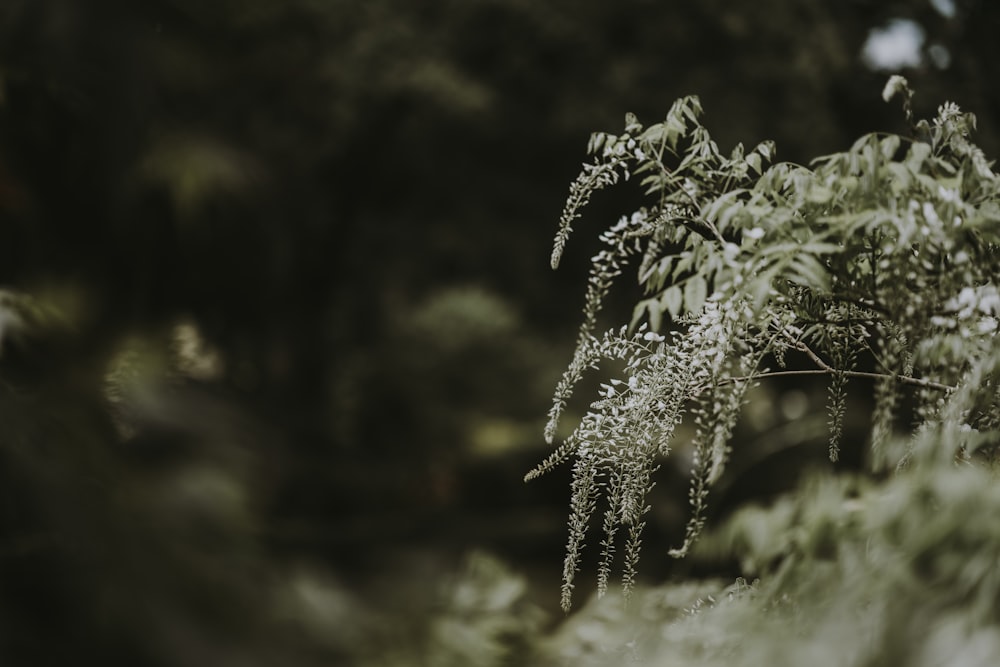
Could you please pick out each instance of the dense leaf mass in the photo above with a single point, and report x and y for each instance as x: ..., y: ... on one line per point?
x: 879, y: 262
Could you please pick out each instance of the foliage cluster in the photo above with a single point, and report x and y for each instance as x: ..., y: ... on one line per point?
x: 878, y: 263
x: 851, y: 572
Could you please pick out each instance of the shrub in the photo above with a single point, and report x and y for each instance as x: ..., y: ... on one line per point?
x: 877, y: 263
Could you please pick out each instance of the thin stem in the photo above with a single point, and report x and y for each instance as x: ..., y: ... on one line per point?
x: 828, y: 369
x: 919, y: 382
x: 715, y: 230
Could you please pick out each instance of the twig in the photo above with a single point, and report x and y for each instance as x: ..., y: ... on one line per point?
x: 828, y: 369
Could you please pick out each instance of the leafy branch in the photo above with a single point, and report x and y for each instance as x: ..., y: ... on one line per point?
x: 890, y: 248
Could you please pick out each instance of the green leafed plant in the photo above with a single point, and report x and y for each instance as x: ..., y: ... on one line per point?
x: 880, y: 262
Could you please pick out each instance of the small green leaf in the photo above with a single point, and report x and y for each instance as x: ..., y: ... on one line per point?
x: 806, y: 270
x: 765, y: 149
x: 727, y: 216
x: 655, y: 315
x: 653, y: 134
x: 684, y: 262
x: 638, y: 312
x: 760, y: 289
x: 900, y: 177
x: 596, y: 142
x: 917, y: 155
x: 889, y: 146
x: 712, y: 213
x: 675, y: 129
x: 695, y: 291
x: 632, y: 125
x: 672, y: 300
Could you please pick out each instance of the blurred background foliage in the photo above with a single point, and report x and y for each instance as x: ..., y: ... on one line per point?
x: 278, y: 330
